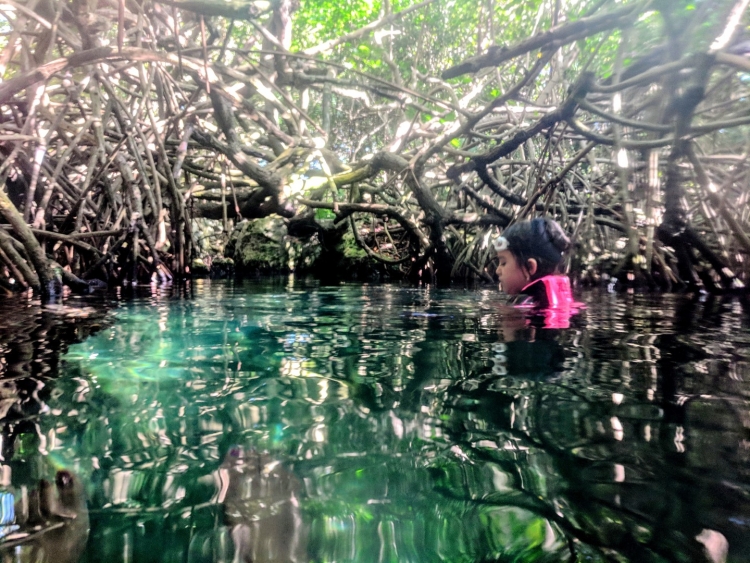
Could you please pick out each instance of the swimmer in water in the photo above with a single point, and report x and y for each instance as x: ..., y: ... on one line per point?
x: 530, y: 255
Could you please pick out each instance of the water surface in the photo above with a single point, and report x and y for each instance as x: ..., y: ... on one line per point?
x: 292, y: 421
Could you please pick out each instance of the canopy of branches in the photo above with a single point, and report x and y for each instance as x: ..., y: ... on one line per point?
x: 419, y: 128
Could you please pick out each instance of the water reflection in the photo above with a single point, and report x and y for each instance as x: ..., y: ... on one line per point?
x: 48, y: 524
x: 259, y: 496
x: 405, y: 425
x: 32, y: 339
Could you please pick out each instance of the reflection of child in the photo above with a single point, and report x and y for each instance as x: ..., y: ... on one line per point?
x: 530, y: 255
x: 260, y: 496
x: 51, y: 522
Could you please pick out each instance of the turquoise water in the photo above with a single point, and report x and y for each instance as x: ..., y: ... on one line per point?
x: 295, y: 422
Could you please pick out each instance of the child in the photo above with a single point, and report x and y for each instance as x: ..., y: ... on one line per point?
x: 530, y: 254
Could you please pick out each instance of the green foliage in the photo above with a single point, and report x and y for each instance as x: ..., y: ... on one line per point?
x: 257, y: 247
x: 320, y: 20
x: 324, y: 214
x: 350, y: 250
x: 380, y: 91
x: 4, y: 31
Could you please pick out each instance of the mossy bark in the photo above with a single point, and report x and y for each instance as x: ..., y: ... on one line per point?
x: 50, y: 283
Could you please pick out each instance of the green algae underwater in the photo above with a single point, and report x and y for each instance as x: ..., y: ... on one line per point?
x: 301, y: 422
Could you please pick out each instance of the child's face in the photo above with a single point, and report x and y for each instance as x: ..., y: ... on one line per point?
x: 513, y: 276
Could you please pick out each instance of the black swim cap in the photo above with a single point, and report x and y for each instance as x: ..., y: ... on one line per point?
x: 541, y: 238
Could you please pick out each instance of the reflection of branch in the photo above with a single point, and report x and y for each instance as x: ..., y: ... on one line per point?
x: 531, y: 502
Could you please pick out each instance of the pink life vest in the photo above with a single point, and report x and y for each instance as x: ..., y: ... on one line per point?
x: 552, y: 296
x: 556, y: 291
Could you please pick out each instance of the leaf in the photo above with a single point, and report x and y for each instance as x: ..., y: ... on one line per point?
x: 324, y: 214
x: 448, y: 118
x: 535, y: 532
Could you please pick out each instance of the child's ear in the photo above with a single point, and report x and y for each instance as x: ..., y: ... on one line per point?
x: 531, y: 266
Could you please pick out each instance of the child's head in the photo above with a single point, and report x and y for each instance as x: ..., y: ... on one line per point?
x: 529, y: 250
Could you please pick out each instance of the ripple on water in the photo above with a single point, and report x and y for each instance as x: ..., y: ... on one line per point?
x: 397, y: 424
